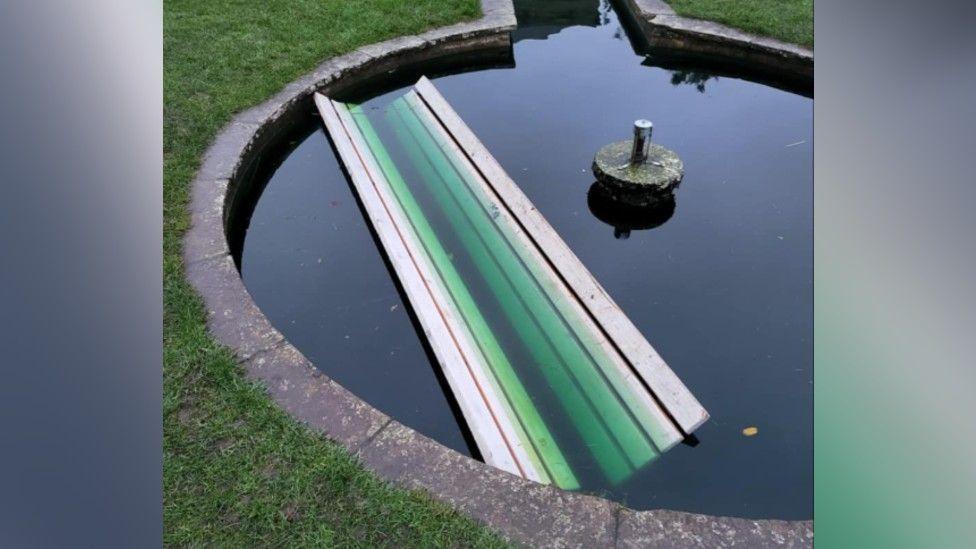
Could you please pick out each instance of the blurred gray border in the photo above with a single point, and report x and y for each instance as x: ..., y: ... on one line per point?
x: 521, y: 510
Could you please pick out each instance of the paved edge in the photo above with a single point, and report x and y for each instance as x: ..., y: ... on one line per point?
x: 663, y: 28
x: 522, y: 511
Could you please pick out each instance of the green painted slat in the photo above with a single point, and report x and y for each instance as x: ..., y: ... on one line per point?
x: 579, y: 338
x: 613, y: 464
x: 605, y: 424
x: 575, y: 337
x: 544, y: 451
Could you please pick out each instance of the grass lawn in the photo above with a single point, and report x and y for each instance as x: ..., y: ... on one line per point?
x: 787, y: 20
x: 236, y: 470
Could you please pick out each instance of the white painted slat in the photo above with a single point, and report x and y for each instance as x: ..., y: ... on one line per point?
x: 667, y: 388
x: 486, y: 414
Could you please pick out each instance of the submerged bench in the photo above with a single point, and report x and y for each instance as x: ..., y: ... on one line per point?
x: 554, y: 381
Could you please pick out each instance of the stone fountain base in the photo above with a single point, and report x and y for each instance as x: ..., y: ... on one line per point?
x: 639, y: 185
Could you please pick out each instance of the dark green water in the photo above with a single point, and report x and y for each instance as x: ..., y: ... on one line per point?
x: 719, y: 281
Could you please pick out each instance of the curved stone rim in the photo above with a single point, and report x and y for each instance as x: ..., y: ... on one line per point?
x: 751, y: 56
x: 518, y: 509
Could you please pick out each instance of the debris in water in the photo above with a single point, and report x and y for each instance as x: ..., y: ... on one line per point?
x: 750, y: 431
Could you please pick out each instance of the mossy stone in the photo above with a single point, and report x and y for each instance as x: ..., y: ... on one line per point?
x: 659, y: 175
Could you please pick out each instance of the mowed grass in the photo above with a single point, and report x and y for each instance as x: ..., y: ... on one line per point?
x: 787, y: 20
x: 237, y: 472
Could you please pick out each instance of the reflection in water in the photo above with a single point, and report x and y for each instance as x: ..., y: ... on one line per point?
x: 692, y: 64
x: 539, y: 19
x: 625, y: 218
x: 693, y: 78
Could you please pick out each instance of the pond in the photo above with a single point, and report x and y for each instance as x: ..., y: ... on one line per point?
x: 719, y: 280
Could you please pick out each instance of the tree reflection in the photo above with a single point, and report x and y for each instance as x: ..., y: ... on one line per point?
x: 692, y: 78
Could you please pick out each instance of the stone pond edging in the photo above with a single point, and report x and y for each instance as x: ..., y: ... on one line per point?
x: 522, y: 511
x: 662, y: 27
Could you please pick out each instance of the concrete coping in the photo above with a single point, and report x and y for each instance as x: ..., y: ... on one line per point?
x: 518, y: 509
x: 665, y: 31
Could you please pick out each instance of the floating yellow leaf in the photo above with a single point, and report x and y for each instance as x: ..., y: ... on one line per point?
x: 750, y: 431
